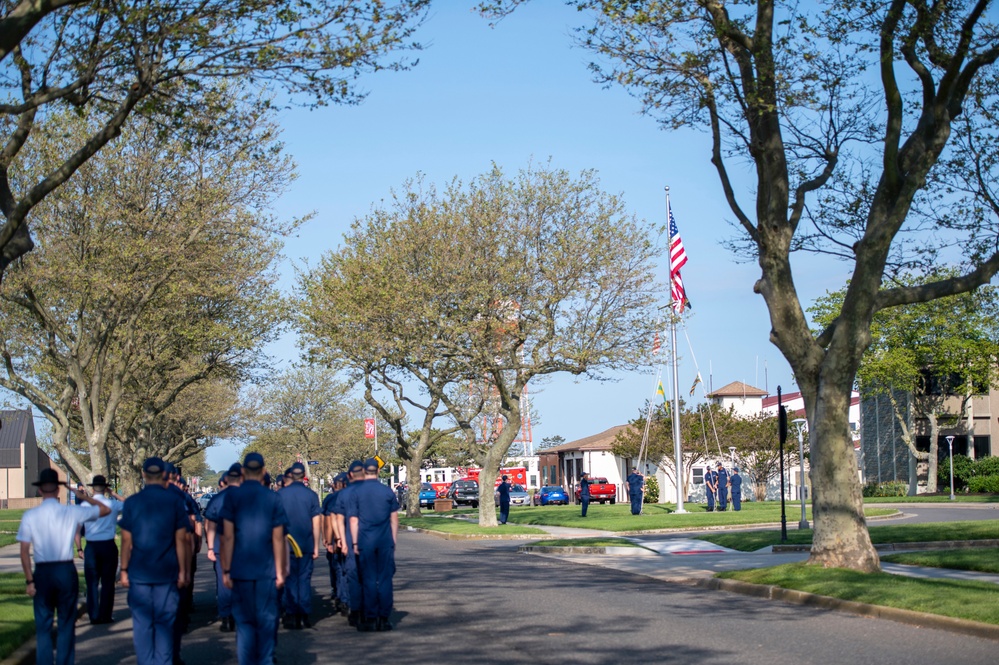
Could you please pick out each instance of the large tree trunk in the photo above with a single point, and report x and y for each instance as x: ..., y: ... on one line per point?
x: 413, y: 479
x: 841, y: 539
x: 933, y: 456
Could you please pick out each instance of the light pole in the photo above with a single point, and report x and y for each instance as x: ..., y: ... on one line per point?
x: 950, y: 450
x: 802, y: 425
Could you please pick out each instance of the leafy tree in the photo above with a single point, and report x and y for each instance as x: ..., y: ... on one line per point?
x: 871, y: 129
x: 931, y: 351
x: 757, y: 450
x: 167, y: 60
x: 157, y: 277
x: 471, y: 293
x: 551, y: 442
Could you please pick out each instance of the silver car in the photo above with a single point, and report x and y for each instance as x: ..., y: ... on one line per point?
x: 518, y: 496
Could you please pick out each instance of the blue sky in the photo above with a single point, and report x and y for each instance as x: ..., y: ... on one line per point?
x: 511, y: 94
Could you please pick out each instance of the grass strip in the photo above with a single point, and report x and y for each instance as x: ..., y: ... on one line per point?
x: 977, y: 601
x: 17, y: 614
x: 464, y: 527
x: 586, y: 542
x: 935, y: 498
x: 979, y: 560
x: 750, y: 541
x: 655, y: 516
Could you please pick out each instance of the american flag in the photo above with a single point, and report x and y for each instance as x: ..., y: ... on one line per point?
x: 677, y: 259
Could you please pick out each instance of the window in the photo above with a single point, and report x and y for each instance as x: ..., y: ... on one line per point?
x: 983, y: 446
x: 698, y: 475
x: 553, y: 476
x: 534, y: 480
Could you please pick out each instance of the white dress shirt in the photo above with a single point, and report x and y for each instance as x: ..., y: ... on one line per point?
x: 50, y: 529
x: 103, y: 528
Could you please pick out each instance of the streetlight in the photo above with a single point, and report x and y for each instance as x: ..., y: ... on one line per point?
x: 950, y: 448
x: 802, y: 425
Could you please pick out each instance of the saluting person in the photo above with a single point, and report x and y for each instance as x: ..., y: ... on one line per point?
x: 253, y: 561
x: 49, y: 529
x: 584, y: 491
x: 636, y: 490
x: 154, y: 563
x: 373, y: 511
x: 100, y: 558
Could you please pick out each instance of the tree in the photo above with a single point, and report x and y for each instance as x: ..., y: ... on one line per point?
x: 757, y: 450
x: 157, y: 277
x: 472, y: 293
x: 930, y: 352
x: 865, y: 123
x: 168, y: 60
x: 551, y: 442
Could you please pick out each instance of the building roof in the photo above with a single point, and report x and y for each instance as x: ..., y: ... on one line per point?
x: 602, y: 441
x: 13, y: 432
x: 738, y: 389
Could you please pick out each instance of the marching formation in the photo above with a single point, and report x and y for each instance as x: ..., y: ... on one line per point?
x: 262, y: 545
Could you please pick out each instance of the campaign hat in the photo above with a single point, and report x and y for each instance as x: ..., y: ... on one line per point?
x: 99, y: 481
x: 253, y: 461
x: 47, y: 477
x: 154, y: 465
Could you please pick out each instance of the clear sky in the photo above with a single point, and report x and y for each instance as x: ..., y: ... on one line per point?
x: 520, y: 92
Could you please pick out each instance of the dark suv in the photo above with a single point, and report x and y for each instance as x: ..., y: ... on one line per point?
x: 464, y: 491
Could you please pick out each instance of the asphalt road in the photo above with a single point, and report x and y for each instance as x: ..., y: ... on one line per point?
x: 482, y: 603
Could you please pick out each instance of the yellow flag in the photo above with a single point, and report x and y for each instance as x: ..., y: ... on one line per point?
x: 660, y: 391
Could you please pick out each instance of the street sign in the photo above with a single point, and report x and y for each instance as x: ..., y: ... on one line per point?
x: 312, y: 461
x: 380, y: 461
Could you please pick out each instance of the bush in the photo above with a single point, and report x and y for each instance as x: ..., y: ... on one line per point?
x: 984, y: 484
x: 651, y: 489
x: 890, y: 488
x: 986, y: 466
x: 963, y: 471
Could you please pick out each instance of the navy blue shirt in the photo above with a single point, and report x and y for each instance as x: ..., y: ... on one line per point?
x: 213, y: 513
x: 722, y: 476
x: 736, y: 481
x: 504, y: 493
x: 339, y: 507
x: 327, y: 507
x: 254, y: 512
x: 710, y: 477
x: 635, y: 483
x: 153, y: 517
x: 300, y: 504
x: 584, y: 488
x: 184, y: 496
x: 372, y: 504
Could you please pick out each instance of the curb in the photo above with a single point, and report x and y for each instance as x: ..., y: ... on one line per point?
x: 474, y: 536
x: 610, y: 550
x: 904, y: 547
x: 737, y: 527
x: 911, y: 617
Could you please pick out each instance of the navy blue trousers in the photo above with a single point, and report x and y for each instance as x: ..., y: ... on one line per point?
x: 154, y: 613
x: 711, y: 499
x: 722, y: 498
x: 377, y: 566
x: 636, y: 503
x: 223, y: 595
x: 342, y: 586
x: 504, y: 513
x: 100, y: 563
x: 56, y: 589
x: 737, y: 500
x: 298, y: 586
x: 355, y: 598
x: 254, y: 606
x: 585, y: 502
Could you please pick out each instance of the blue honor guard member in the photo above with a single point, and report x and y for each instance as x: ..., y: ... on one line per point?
x: 373, y: 513
x: 636, y: 490
x: 301, y: 505
x: 54, y: 584
x: 213, y: 526
x: 332, y: 539
x: 175, y: 484
x: 100, y: 558
x: 352, y: 588
x: 735, y: 482
x: 504, y: 500
x: 155, y: 559
x: 722, y: 475
x: 253, y: 561
x: 709, y: 487
x: 584, y: 491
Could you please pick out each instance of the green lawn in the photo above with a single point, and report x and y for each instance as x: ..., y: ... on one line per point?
x: 17, y: 618
x: 750, y: 541
x: 586, y: 542
x: 655, y: 516
x: 445, y: 525
x: 978, y: 601
x: 981, y: 560
x: 935, y: 498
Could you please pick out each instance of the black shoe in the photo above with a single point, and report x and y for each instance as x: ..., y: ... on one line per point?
x: 344, y: 609
x: 366, y: 626
x: 384, y: 624
x: 224, y: 625
x: 288, y: 622
x: 298, y: 622
x: 353, y: 619
x: 306, y: 621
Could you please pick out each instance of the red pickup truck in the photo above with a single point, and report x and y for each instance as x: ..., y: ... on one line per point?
x: 600, y: 490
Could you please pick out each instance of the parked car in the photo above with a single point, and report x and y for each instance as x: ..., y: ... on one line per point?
x: 204, y: 499
x: 600, y: 490
x: 551, y: 495
x: 518, y: 496
x: 464, y: 492
x: 427, y: 495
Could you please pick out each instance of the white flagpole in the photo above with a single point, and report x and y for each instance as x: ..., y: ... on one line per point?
x: 676, y: 387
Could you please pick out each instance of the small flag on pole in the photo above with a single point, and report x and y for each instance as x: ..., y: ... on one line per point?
x: 696, y: 381
x: 662, y: 393
x: 369, y: 428
x: 655, y: 345
x: 677, y: 259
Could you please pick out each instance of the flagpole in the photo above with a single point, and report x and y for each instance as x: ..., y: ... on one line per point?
x: 676, y: 393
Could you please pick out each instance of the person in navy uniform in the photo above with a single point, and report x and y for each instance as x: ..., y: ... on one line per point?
x: 710, y: 480
x: 54, y: 584
x: 584, y: 491
x: 253, y: 561
x: 352, y: 590
x: 722, y: 475
x: 100, y: 558
x: 304, y: 522
x: 175, y: 484
x: 154, y: 563
x: 735, y: 482
x: 331, y: 540
x: 373, y: 511
x: 232, y: 478
x: 636, y: 490
x: 504, y: 500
